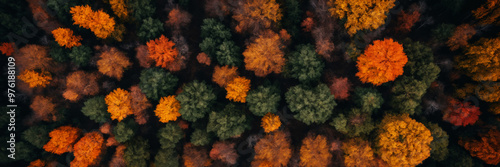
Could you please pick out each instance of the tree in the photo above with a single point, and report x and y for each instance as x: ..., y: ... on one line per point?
x: 314, y: 151
x: 43, y: 108
x: 196, y: 100
x: 98, y: 22
x: 139, y: 104
x: 157, y: 83
x: 195, y: 157
x: 80, y: 55
x: 64, y: 37
x: 217, y: 43
x: 354, y: 123
x: 124, y: 131
x: 170, y: 135
x: 383, y: 61
x: 35, y: 79
x: 460, y: 36
x: 488, y: 13
x: 237, y: 89
x: 142, y: 55
x: 95, y: 108
x: 439, y: 144
x: 480, y: 61
x: 486, y: 149
x: 270, y: 122
x: 292, y: 16
x: 229, y: 122
x: 37, y: 135
x: 263, y: 100
x: 166, y: 157
x: 223, y: 75
x: 7, y: 48
x: 312, y: 105
x: 408, y: 93
x: 41, y: 16
x: 273, y: 150
x: 406, y: 19
x: 178, y: 18
x: 88, y: 149
x: 461, y: 113
x: 37, y: 163
x: 360, y: 15
x: 443, y: 32
x: 255, y: 15
x: 203, y: 59
x: 403, y: 141
x: 420, y: 65
x: 225, y: 152
x: 142, y: 9
x: 119, y: 8
x: 264, y: 55
x: 150, y: 29
x: 340, y: 88
x: 58, y: 53
x: 79, y: 84
x: 117, y: 160
x: 168, y: 109
x: 137, y: 152
x: 62, y: 139
x: 217, y: 8
x: 162, y: 51
x: 304, y: 64
x: 358, y: 152
x: 33, y: 57
x: 200, y: 137
x: 118, y: 103
x: 113, y: 62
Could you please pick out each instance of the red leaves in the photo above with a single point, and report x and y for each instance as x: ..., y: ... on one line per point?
x: 460, y: 113
x: 487, y: 149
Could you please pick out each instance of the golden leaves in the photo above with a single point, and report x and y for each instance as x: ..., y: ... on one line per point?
x: 62, y: 139
x: 118, y: 103
x: 168, y: 109
x: 98, y: 22
x: 237, y: 89
x: 64, y: 37
x: 34, y: 79
x: 314, y: 152
x: 264, y: 55
x: 270, y: 122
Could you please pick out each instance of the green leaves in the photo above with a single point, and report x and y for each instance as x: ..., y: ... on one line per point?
x: 263, y: 100
x: 439, y: 144
x: 141, y: 9
x: 407, y: 94
x: 157, y: 83
x: 169, y: 135
x: 304, y: 64
x: 96, y: 109
x: 37, y: 135
x: 217, y: 43
x: 124, y: 130
x: 150, y: 29
x: 228, y: 123
x: 167, y: 158
x: 368, y: 99
x: 196, y: 100
x: 137, y: 152
x: 312, y: 105
x: 80, y: 55
x: 200, y: 137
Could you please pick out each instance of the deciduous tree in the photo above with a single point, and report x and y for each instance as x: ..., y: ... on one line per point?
x: 488, y: 13
x: 255, y: 15
x: 229, y: 122
x: 95, y: 108
x: 157, y: 83
x: 119, y: 8
x: 62, y: 140
x: 223, y: 75
x: 43, y: 108
x: 460, y: 36
x: 64, y: 37
x: 88, y: 149
x: 263, y: 100
x: 217, y: 43
x: 137, y: 152
x: 461, y: 113
x: 439, y: 144
x: 481, y: 60
x: 79, y: 84
x: 314, y: 151
x: 124, y: 131
x: 162, y: 51
x: 340, y: 88
x: 203, y: 58
x: 98, y: 22
x: 142, y: 55
x: 118, y: 103
x: 195, y: 157
x: 32, y: 57
x: 264, y: 55
x: 304, y: 64
x: 170, y: 135
x: 139, y: 104
x: 168, y: 109
x: 486, y: 149
x: 7, y: 48
x: 37, y: 135
x: 406, y: 20
x: 273, y: 150
x: 224, y: 151
x: 113, y: 62
x: 37, y: 163
x: 35, y: 79
x: 237, y: 89
x: 270, y: 122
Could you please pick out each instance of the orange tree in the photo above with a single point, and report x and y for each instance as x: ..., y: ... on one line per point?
x: 460, y: 36
x: 139, y: 104
x: 264, y: 55
x: 361, y: 14
x: 168, y: 109
x: 488, y: 13
x: 62, y: 139
x: 487, y: 148
x: 88, y: 149
x: 273, y: 150
x: 162, y: 51
x: 460, y: 113
x: 34, y: 79
x: 113, y: 63
x: 481, y: 61
x: 270, y: 122
x: 223, y: 75
x: 98, y: 22
x: 237, y: 89
x: 64, y: 37
x: 118, y: 103
x: 119, y: 8
x: 37, y: 163
x: 314, y: 151
x: 357, y: 152
x: 402, y: 141
x: 383, y: 61
x: 79, y: 84
x: 254, y: 15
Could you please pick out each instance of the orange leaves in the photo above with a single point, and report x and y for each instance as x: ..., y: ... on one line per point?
x: 32, y: 57
x: 486, y: 149
x: 34, y: 79
x: 381, y: 62
x: 37, y: 163
x: 461, y: 114
x: 43, y: 108
x: 168, y: 109
x: 223, y: 75
x: 253, y: 15
x: 314, y: 152
x: 119, y: 8
x: 237, y: 89
x: 270, y: 122
x: 162, y: 51
x: 79, y: 84
x: 358, y: 152
x: 460, y: 36
x: 272, y: 150
x: 481, y: 60
x: 88, y: 149
x: 203, y: 59
x: 7, y: 48
x: 62, y: 139
x: 113, y: 62
x: 139, y: 104
x: 264, y: 55
x: 488, y: 13
x: 64, y: 37
x: 98, y: 22
x: 118, y: 103
x: 195, y: 157
x: 406, y: 20
x: 403, y: 141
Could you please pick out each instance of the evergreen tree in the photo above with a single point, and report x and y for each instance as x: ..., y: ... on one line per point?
x: 228, y: 123
x: 196, y: 100
x: 311, y: 104
x: 169, y: 135
x: 157, y: 82
x: 96, y: 109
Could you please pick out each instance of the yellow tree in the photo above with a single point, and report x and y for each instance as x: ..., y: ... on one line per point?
x: 34, y: 79
x: 237, y: 89
x: 357, y: 152
x: 361, y: 14
x: 254, y: 15
x: 98, y: 22
x: 118, y: 103
x: 402, y: 141
x: 64, y: 37
x: 481, y: 61
x: 113, y: 62
x: 168, y: 109
x: 270, y: 122
x: 314, y: 151
x: 265, y: 54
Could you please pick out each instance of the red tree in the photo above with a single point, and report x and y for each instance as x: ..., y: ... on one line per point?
x: 224, y: 151
x: 487, y: 149
x: 406, y: 20
x: 460, y: 36
x: 460, y: 113
x: 340, y: 88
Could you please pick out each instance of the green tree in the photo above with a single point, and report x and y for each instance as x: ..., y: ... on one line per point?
x: 312, y: 105
x: 263, y: 100
x: 420, y: 64
x: 229, y: 122
x: 170, y: 135
x: 124, y: 131
x: 439, y: 144
x: 141, y: 9
x: 150, y: 29
x: 292, y: 16
x: 442, y: 32
x: 367, y: 99
x: 304, y: 64
x: 200, y: 137
x: 137, y: 152
x: 167, y: 158
x: 217, y: 43
x: 96, y: 109
x: 80, y: 55
x: 37, y: 135
x: 58, y: 53
x: 407, y: 94
x: 196, y: 100
x: 229, y: 54
x: 157, y: 82
x: 356, y: 123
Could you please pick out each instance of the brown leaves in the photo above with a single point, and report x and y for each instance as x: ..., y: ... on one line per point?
x: 113, y: 62
x: 224, y: 151
x: 43, y: 109
x: 273, y: 149
x: 255, y: 15
x: 314, y: 151
x: 264, y: 55
x: 460, y: 36
x: 79, y: 84
x: 486, y: 149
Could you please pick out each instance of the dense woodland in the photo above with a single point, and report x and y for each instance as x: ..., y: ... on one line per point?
x: 166, y: 83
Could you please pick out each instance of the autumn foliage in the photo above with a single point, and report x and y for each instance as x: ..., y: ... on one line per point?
x: 37, y: 163
x: 315, y: 151
x: 118, y: 103
x: 7, y: 48
x: 272, y: 150
x: 481, y: 61
x: 168, y: 109
x: 162, y: 51
x: 98, y: 22
x: 383, y: 61
x: 139, y: 104
x: 270, y: 122
x: 195, y: 157
x: 264, y: 55
x: 143, y: 56
x: 224, y: 151
x: 88, y: 149
x: 406, y: 20
x: 237, y: 89
x: 62, y: 140
x: 64, y: 37
x: 43, y: 109
x: 340, y: 88
x: 487, y: 148
x: 460, y: 36
x: 113, y: 62
x: 79, y: 84
x: 34, y: 79
x: 119, y: 8
x: 223, y: 75
x: 203, y: 58
x: 488, y: 13
x: 255, y: 15
x: 358, y: 152
x: 33, y: 57
x: 461, y: 113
